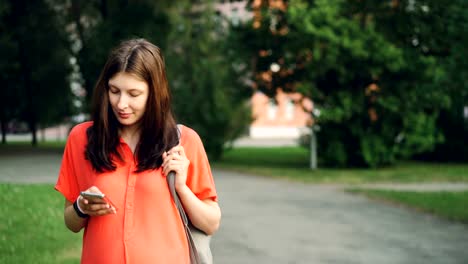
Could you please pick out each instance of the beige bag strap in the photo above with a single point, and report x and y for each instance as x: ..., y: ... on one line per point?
x: 194, y: 257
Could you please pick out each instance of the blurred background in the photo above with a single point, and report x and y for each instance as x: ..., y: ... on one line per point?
x: 368, y: 82
x: 341, y: 92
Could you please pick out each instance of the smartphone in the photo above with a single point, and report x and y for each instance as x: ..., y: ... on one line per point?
x: 91, y: 195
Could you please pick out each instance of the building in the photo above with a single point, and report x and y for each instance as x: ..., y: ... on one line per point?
x: 288, y: 115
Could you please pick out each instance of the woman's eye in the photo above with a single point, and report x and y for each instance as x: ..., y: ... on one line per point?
x: 114, y: 91
x: 134, y: 95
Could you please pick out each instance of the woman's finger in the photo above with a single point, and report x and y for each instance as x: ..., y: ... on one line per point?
x: 102, y: 212
x: 99, y: 209
x: 175, y: 156
x: 170, y: 159
x: 172, y: 165
x: 166, y: 158
x: 165, y: 170
x: 170, y: 156
x: 96, y: 207
x: 96, y: 200
x: 182, y: 151
x: 178, y: 149
x: 168, y: 168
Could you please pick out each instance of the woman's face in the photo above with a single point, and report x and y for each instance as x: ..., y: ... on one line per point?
x: 128, y: 96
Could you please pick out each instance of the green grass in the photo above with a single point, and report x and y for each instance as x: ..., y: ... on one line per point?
x: 449, y: 205
x: 21, y: 147
x: 40, y: 144
x: 32, y: 228
x: 292, y: 163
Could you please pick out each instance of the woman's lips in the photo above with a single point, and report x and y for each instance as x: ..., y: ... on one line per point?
x: 124, y: 115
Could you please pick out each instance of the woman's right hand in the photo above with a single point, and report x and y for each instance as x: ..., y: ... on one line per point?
x: 95, y: 206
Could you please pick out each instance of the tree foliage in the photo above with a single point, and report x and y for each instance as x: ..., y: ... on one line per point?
x: 35, y: 68
x: 98, y: 26
x: 442, y: 31
x: 204, y: 94
x: 378, y: 71
x: 207, y: 94
x: 376, y: 93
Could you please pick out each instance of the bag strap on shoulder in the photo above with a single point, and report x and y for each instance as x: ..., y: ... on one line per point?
x: 194, y: 257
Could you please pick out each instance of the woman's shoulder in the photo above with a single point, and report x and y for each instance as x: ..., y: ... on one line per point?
x: 187, y: 131
x: 188, y: 134
x: 79, y: 130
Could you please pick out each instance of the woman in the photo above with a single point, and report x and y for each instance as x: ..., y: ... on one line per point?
x: 125, y: 153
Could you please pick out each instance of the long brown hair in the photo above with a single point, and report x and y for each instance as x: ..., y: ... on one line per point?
x: 158, y: 132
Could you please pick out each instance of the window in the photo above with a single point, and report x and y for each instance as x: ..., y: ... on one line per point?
x: 290, y: 110
x: 272, y: 109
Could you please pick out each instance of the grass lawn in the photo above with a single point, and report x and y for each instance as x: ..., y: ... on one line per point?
x: 32, y: 228
x: 58, y: 145
x: 449, y: 205
x: 292, y: 163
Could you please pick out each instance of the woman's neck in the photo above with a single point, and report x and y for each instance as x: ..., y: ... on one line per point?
x: 131, y: 136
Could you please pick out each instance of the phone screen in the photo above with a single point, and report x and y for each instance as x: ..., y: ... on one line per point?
x: 90, y: 195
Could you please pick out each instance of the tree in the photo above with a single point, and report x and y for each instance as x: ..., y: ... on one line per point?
x: 375, y: 91
x: 439, y: 29
x: 377, y: 94
x: 98, y: 26
x: 207, y: 95
x: 7, y: 67
x: 39, y: 66
x: 204, y: 95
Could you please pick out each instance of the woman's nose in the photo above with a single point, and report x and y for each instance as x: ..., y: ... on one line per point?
x: 123, y: 102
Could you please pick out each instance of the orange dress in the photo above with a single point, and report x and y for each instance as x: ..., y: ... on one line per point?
x: 147, y: 227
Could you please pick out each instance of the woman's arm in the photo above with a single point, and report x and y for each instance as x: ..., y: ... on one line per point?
x: 72, y: 220
x: 204, y: 215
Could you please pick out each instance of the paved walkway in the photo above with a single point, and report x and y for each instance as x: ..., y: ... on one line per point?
x: 275, y: 221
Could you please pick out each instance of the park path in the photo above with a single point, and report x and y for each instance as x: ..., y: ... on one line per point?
x: 277, y: 221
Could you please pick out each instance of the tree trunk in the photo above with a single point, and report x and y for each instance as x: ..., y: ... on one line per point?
x: 3, y: 119
x: 313, y: 149
x: 43, y: 138
x: 103, y: 9
x: 17, y: 11
x: 33, y: 127
x: 3, y: 128
x: 30, y: 107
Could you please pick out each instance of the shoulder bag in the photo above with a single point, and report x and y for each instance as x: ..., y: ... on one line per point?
x: 199, y: 242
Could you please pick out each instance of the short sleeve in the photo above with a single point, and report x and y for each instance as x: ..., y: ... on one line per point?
x: 67, y: 182
x: 199, y: 178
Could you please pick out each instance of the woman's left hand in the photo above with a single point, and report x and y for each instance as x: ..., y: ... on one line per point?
x: 176, y: 160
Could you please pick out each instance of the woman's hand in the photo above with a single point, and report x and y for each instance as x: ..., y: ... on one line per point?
x: 176, y: 160
x: 95, y: 206
x: 205, y: 215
